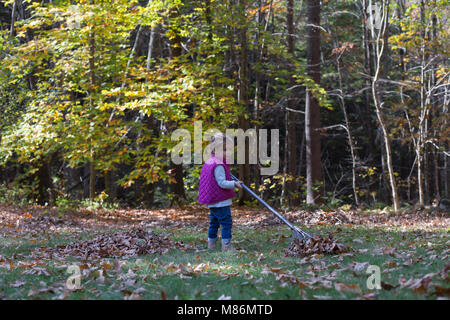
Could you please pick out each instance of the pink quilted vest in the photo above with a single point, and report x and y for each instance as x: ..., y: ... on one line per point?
x: 209, y: 191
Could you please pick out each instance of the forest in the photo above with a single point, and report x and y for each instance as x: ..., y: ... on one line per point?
x: 92, y: 91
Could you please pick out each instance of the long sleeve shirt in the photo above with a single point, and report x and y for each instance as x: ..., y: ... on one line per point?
x: 219, y: 174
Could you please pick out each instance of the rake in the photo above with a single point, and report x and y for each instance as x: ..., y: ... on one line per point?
x: 297, y: 233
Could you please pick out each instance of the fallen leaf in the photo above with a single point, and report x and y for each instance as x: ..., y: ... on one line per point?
x: 387, y: 286
x: 441, y: 291
x: 17, y: 284
x: 344, y: 287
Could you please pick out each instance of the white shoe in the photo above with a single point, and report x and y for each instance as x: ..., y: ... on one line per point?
x: 212, y: 245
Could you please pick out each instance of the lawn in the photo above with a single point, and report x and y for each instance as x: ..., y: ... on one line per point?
x: 411, y: 251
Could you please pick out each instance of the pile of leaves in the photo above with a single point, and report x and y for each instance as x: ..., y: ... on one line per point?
x: 125, y: 243
x: 315, y: 245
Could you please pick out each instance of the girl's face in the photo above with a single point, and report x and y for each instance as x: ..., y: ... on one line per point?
x: 223, y: 151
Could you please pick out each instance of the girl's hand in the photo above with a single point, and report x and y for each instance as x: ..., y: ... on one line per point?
x: 237, y: 184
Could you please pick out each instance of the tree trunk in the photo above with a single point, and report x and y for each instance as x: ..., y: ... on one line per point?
x: 151, y: 42
x: 45, y: 183
x: 257, y: 97
x: 291, y: 115
x: 244, y: 169
x: 85, y: 173
x: 314, y: 181
x: 379, y: 54
x: 92, y: 179
x: 107, y: 177
x: 13, y: 18
x: 364, y: 111
x: 177, y: 187
x: 92, y: 89
x: 421, y: 177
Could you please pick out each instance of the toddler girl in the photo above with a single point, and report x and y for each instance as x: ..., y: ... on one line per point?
x: 216, y: 190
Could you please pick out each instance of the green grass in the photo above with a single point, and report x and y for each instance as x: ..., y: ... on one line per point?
x: 240, y: 275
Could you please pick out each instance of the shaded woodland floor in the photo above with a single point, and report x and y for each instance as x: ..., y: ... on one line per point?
x: 161, y: 254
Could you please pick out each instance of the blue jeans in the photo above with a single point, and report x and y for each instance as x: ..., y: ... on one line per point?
x: 220, y: 217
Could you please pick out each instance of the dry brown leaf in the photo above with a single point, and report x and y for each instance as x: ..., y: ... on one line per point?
x: 344, y: 287
x: 441, y: 291
x: 387, y: 286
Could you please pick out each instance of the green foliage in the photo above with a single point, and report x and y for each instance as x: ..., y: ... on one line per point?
x: 162, y: 199
x: 191, y: 182
x: 315, y: 89
x: 101, y: 201
x: 72, y: 87
x: 63, y: 203
x: 332, y: 202
x: 18, y: 194
x: 54, y: 107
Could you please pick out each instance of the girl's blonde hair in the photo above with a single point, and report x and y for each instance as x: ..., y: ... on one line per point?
x: 219, y: 138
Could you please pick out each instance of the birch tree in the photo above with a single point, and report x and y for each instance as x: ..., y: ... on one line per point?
x: 378, y: 36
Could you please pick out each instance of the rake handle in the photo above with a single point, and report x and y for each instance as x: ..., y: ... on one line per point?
x: 265, y: 204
